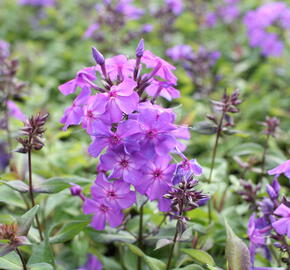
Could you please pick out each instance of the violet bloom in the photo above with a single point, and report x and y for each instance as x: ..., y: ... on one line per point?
x: 282, y: 225
x: 84, y: 78
x: 125, y: 8
x: 273, y: 190
x: 115, y: 193
x: 91, y: 30
x: 119, y: 67
x: 14, y: 111
x: 123, y: 165
x: 284, y: 168
x: 92, y: 263
x: 155, y: 133
x: 122, y: 99
x: 44, y: 3
x: 74, y: 113
x: 4, y: 49
x: 157, y: 176
x: 164, y: 69
x: 162, y: 88
x: 102, y: 213
x: 105, y: 137
x: 175, y: 6
x: 92, y: 112
x: 180, y: 52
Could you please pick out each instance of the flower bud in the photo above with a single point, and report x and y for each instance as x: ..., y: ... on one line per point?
x: 140, y: 48
x: 75, y: 190
x: 99, y: 58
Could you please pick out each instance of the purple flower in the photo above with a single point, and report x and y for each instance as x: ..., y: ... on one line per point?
x: 165, y: 69
x: 115, y: 194
x: 102, y: 213
x: 282, y: 225
x: 147, y: 28
x: 175, y: 6
x: 104, y: 137
x: 284, y: 168
x: 14, y: 111
x: 122, y: 99
x: 74, y: 113
x: 123, y: 165
x: 157, y: 176
x: 83, y: 78
x: 4, y: 49
x: 273, y: 190
x: 92, y: 263
x: 91, y: 30
x: 125, y: 8
x: 162, y: 88
x: 45, y: 3
x: 180, y: 52
x: 119, y: 67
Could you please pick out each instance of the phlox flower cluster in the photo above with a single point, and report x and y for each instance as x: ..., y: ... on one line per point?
x: 260, y: 20
x: 115, y: 14
x: 272, y: 220
x: 44, y: 3
x: 132, y: 136
x: 226, y: 12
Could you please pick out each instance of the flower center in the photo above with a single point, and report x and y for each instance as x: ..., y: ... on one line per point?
x: 124, y: 163
x: 104, y: 208
x: 157, y: 174
x: 151, y: 133
x: 112, y: 94
x: 112, y: 194
x: 90, y: 114
x: 114, y: 139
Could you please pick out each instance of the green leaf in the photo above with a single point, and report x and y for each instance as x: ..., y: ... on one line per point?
x: 190, y: 267
x: 237, y: 252
x: 17, y: 185
x: 41, y: 266
x: 153, y: 263
x: 57, y: 184
x: 162, y: 243
x: 11, y: 197
x: 121, y: 236
x: 25, y: 221
x: 247, y: 149
x: 205, y: 128
x: 41, y: 253
x: 68, y: 231
x: 10, y: 261
x: 199, y: 256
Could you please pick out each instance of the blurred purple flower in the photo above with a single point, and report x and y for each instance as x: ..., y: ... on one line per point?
x: 282, y: 225
x: 4, y: 49
x: 44, y: 3
x: 175, y: 6
x: 92, y: 263
x: 284, y: 168
x: 91, y: 30
x: 180, y: 52
x: 14, y: 111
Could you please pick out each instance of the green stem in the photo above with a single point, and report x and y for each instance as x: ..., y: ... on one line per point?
x: 21, y: 258
x: 266, y: 145
x: 140, y: 236
x: 219, y: 129
x: 31, y: 193
x: 172, y: 248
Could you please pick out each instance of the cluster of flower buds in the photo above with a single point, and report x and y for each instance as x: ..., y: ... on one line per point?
x: 113, y: 16
x: 271, y: 222
x: 10, y: 233
x: 271, y: 125
x: 133, y: 137
x: 198, y: 65
x: 249, y: 193
x: 31, y: 133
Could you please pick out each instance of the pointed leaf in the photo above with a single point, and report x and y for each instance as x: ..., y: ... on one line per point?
x: 41, y: 253
x: 199, y: 256
x: 162, y: 243
x: 41, y: 266
x: 10, y: 261
x: 190, y: 267
x: 68, y: 231
x: 25, y: 221
x: 237, y: 252
x: 17, y: 185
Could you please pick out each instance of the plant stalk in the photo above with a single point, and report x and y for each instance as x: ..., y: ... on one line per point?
x: 219, y: 129
x: 31, y: 193
x: 140, y: 236
x: 172, y: 248
x: 264, y: 155
x: 21, y: 258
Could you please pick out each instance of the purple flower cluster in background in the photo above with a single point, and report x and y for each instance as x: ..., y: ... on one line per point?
x: 4, y: 49
x: 227, y: 12
x: 115, y: 14
x: 258, y: 22
x: 92, y: 263
x: 45, y: 3
x: 272, y: 220
x: 132, y: 136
